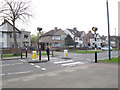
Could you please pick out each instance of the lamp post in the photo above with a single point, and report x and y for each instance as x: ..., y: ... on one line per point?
x: 95, y: 29
x: 108, y: 30
x: 39, y: 45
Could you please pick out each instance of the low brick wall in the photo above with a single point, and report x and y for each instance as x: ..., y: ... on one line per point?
x: 12, y: 50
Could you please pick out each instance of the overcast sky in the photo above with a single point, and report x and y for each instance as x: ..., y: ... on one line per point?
x: 83, y: 14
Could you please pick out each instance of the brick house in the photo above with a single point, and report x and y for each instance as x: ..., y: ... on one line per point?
x: 6, y: 36
x: 53, y: 38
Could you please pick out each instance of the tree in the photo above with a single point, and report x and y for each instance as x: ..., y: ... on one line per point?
x: 35, y: 38
x: 13, y: 10
x: 69, y: 41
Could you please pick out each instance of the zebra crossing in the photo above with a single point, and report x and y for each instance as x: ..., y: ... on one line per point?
x: 67, y: 63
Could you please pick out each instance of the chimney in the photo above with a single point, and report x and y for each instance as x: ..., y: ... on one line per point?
x: 55, y: 28
x: 89, y: 31
x: 5, y: 20
x: 74, y: 28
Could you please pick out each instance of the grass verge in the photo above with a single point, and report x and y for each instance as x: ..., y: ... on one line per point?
x: 10, y: 55
x: 116, y: 49
x: 113, y: 60
x: 85, y: 51
x: 43, y: 54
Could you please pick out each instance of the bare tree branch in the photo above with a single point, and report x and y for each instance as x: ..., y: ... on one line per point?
x: 13, y: 10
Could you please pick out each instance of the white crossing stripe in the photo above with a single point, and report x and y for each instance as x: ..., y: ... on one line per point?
x: 37, y: 66
x: 2, y: 74
x: 72, y: 64
x: 43, y: 69
x: 11, y: 64
x: 32, y: 64
x: 59, y: 62
x: 20, y: 72
x: 22, y: 60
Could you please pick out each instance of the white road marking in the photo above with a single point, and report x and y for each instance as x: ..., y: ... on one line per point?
x: 2, y: 74
x: 19, y: 72
x: 59, y: 62
x: 43, y: 69
x: 72, y: 64
x: 32, y: 64
x: 37, y: 66
x: 11, y: 64
x: 22, y: 60
x: 13, y: 80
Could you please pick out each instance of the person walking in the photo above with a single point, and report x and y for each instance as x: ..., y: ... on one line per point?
x: 48, y: 52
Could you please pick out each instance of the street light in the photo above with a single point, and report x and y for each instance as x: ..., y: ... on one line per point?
x: 39, y: 45
x: 95, y: 29
x: 108, y: 30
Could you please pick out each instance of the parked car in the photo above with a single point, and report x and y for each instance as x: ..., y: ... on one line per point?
x: 106, y: 48
x: 98, y: 47
x: 90, y: 47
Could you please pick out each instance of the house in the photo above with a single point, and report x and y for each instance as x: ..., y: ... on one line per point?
x: 54, y: 38
x: 77, y: 36
x: 6, y: 36
x: 114, y: 41
x: 90, y: 40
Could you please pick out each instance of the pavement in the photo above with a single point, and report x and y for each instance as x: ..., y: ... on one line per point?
x: 78, y: 72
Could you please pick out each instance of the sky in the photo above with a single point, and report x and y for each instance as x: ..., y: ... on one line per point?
x: 83, y: 14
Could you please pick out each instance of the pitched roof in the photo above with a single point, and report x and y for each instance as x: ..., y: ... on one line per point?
x: 75, y: 32
x: 6, y: 21
x: 51, y: 32
x: 90, y: 34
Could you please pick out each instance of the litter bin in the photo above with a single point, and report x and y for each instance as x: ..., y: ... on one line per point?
x: 65, y: 53
x: 34, y: 55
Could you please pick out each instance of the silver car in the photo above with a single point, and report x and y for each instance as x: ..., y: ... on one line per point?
x: 106, y: 48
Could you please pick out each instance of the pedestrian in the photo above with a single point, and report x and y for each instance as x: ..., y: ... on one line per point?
x: 48, y: 52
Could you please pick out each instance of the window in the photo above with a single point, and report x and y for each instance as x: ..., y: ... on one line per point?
x: 63, y: 37
x: 11, y: 35
x: 56, y: 37
x: 26, y: 36
x: 12, y: 44
x: 76, y: 38
x: 56, y: 44
x: 17, y: 35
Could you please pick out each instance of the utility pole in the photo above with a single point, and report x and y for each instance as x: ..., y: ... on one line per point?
x: 108, y: 30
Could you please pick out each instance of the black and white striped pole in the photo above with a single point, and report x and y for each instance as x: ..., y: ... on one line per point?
x: 95, y: 29
x: 39, y: 45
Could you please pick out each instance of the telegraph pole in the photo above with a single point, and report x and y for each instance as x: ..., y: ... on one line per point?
x: 108, y: 30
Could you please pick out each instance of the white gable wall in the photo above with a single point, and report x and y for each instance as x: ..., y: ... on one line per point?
x: 68, y: 32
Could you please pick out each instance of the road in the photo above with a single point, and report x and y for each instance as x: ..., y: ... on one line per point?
x: 17, y: 70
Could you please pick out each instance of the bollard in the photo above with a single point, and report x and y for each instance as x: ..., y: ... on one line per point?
x: 48, y: 52
x: 26, y: 53
x: 95, y: 56
x: 39, y: 54
x: 21, y: 55
x: 65, y: 53
x: 34, y: 55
